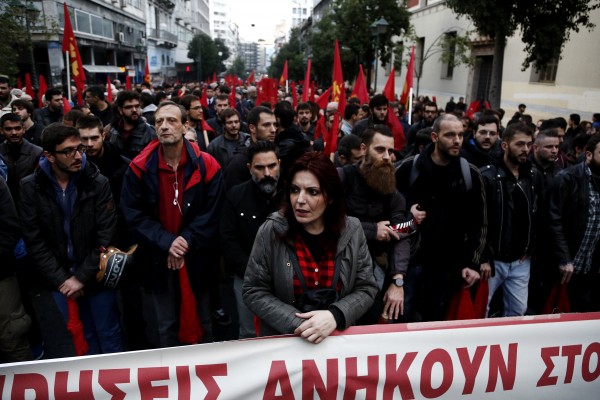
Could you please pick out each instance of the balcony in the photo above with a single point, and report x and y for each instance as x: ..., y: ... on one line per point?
x: 164, y: 38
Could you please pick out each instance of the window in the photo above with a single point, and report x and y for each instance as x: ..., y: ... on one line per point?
x: 449, y: 48
x: 545, y: 74
x: 83, y: 22
x: 135, y: 3
x: 97, y: 28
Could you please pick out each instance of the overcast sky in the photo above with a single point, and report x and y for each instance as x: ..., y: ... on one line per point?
x: 264, y: 14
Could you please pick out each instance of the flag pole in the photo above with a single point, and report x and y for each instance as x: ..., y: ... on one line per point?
x: 67, y: 58
x: 410, y: 105
x: 206, y: 141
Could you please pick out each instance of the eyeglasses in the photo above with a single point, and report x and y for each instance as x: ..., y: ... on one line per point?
x: 70, y: 151
x: 196, y: 108
x: 130, y: 106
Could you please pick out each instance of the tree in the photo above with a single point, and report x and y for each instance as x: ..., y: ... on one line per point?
x: 205, y: 53
x: 545, y: 27
x: 292, y: 52
x: 238, y: 67
x: 353, y: 19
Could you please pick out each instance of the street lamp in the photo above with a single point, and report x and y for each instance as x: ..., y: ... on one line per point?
x: 378, y: 28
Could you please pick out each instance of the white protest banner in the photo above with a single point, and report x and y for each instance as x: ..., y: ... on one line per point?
x: 545, y: 357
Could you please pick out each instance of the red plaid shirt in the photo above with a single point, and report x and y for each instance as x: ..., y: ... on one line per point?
x: 316, y: 275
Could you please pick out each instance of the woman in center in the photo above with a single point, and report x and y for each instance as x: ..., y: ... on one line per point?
x: 310, y: 271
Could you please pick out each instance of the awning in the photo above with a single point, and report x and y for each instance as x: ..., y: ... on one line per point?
x: 103, y: 69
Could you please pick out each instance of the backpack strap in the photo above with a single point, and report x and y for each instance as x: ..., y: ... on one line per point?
x: 466, y: 173
x: 414, y: 173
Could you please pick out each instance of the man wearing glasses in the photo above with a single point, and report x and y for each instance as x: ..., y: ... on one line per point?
x: 130, y: 132
x: 483, y: 148
x: 430, y: 113
x: 68, y: 214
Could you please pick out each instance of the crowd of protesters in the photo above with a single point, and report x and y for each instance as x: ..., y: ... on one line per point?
x: 225, y: 213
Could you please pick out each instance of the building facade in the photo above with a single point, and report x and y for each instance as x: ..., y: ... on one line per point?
x: 222, y: 27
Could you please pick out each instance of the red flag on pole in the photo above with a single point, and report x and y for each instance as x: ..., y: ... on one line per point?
x: 331, y: 144
x: 127, y: 82
x: 147, y: 77
x: 389, y: 89
x: 394, y: 124
x: 70, y: 45
x: 251, y: 80
x: 323, y: 99
x: 204, y: 99
x: 321, y: 128
x: 42, y: 91
x: 360, y: 87
x: 284, y: 75
x: 109, y: 96
x: 232, y: 101
x: 339, y: 92
x: 66, y: 105
x: 306, y: 84
x: 408, y: 82
x: 28, y: 87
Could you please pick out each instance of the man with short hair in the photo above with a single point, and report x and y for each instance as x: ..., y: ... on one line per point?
x: 481, y: 149
x: 430, y: 113
x: 371, y: 196
x: 262, y: 125
x: 452, y: 237
x: 560, y: 124
x: 21, y: 156
x: 210, y: 96
x: 246, y: 207
x: 171, y: 199
x: 349, y: 150
x: 53, y: 112
x: 223, y: 147
x: 290, y: 141
x: 6, y: 98
x: 575, y: 228
x: 195, y: 115
x: 378, y: 107
x: 511, y: 206
x: 68, y: 214
x: 350, y: 118
x: 304, y: 117
x: 94, y: 97
x: 221, y: 103
x: 24, y: 109
x: 130, y: 133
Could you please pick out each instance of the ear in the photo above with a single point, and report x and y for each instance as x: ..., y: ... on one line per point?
x: 248, y: 165
x: 48, y: 156
x: 363, y: 147
x: 588, y: 156
x: 434, y: 137
x: 504, y: 145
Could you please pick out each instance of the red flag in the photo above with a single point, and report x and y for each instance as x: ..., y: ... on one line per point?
x: 42, y: 91
x: 66, y: 105
x: 251, y: 80
x: 408, y: 82
x: 339, y: 92
x: 232, y: 101
x: 147, y: 77
x: 481, y: 299
x: 214, y: 77
x: 313, y: 90
x: 360, y: 87
x: 331, y: 144
x: 108, y: 90
x: 70, y: 45
x: 306, y: 83
x: 206, y: 126
x: 389, y: 89
x: 294, y: 95
x: 273, y: 91
x: 284, y: 75
x: 394, y: 124
x: 321, y: 128
x: 204, y: 99
x: 28, y: 87
x: 323, y: 99
x: 127, y: 82
x: 461, y: 306
x: 19, y: 84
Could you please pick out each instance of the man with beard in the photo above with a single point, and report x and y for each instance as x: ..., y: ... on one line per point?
x: 246, y: 207
x: 304, y: 117
x: 371, y: 196
x: 195, y: 115
x: 33, y: 131
x: 378, y: 107
x: 575, y: 228
x: 68, y: 214
x: 129, y: 132
x: 221, y: 103
x: 511, y: 207
x: 223, y: 147
x: 429, y: 115
x: 20, y: 156
x: 94, y: 97
x: 53, y: 112
x: 452, y: 237
x: 481, y: 149
x: 262, y: 125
